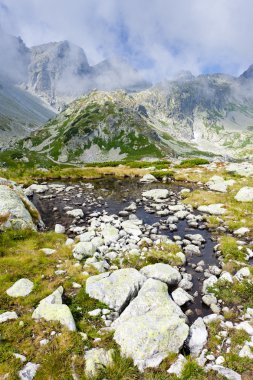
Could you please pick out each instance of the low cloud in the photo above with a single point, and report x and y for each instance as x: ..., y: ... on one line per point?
x: 158, y: 38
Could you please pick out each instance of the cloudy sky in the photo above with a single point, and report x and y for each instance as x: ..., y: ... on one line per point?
x: 159, y: 37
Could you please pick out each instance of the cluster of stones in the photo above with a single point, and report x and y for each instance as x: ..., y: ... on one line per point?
x: 145, y: 304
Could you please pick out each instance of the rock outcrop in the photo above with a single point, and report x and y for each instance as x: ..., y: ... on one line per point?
x: 16, y: 211
x: 157, y: 324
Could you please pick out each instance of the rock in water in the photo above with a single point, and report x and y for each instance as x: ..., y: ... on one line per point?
x: 156, y: 194
x: 198, y: 337
x: 163, y: 272
x: 180, y: 296
x: 20, y: 288
x: 245, y: 194
x: 59, y: 229
x: 151, y: 327
x: 131, y: 228
x: 115, y: 289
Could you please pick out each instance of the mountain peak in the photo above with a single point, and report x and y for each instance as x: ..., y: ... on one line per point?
x: 248, y: 74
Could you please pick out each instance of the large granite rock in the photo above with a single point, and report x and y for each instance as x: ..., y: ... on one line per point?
x: 115, y: 289
x: 151, y: 327
x: 16, y: 211
x: 52, y: 309
x: 245, y: 194
x: 163, y: 272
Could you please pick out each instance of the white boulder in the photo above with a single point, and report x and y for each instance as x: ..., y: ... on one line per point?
x: 163, y: 272
x: 245, y: 194
x: 20, y: 288
x: 156, y: 323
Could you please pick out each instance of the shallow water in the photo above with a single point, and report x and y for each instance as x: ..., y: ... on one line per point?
x: 117, y: 194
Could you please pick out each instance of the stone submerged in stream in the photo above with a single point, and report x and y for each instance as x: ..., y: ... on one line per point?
x: 156, y: 323
x: 115, y: 289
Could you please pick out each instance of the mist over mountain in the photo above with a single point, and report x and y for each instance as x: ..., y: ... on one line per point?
x: 211, y: 112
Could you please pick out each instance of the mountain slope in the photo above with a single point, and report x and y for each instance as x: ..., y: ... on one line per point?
x: 214, y: 112
x: 103, y: 126
x: 20, y: 113
x: 189, y: 116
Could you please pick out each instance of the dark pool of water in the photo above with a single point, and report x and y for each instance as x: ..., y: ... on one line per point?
x: 117, y: 194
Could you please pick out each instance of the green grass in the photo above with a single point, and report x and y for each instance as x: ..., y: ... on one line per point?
x: 238, y: 293
x: 163, y: 253
x: 191, y: 163
x: 230, y: 250
x: 159, y: 174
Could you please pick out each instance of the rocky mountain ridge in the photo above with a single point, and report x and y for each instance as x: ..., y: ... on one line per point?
x: 212, y: 114
x: 205, y: 115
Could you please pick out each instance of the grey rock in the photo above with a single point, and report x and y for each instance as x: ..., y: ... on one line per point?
x: 20, y: 288
x: 197, y: 337
x: 156, y: 323
x: 180, y: 296
x: 96, y: 359
x: 163, y: 272
x: 245, y: 194
x: 17, y: 209
x: 115, y: 289
x: 83, y: 249
x: 226, y: 372
x: 29, y: 371
x: 8, y: 316
x: 52, y: 309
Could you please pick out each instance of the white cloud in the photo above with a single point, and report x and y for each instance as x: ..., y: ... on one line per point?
x: 161, y: 37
